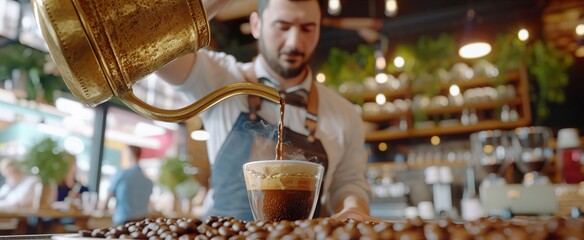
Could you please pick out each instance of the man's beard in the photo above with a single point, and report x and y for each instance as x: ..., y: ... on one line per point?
x: 274, y: 64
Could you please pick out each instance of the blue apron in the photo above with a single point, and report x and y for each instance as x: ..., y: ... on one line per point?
x: 229, y: 192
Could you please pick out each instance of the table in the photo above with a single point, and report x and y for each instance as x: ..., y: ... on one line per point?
x: 22, y: 215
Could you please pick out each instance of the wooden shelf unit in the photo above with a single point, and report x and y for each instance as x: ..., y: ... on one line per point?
x: 520, y: 102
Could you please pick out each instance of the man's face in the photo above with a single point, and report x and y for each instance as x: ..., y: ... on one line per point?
x: 289, y: 34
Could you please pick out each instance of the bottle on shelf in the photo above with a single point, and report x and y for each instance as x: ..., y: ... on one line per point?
x: 569, y: 155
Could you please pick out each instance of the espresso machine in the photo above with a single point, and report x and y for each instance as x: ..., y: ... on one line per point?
x: 529, y: 148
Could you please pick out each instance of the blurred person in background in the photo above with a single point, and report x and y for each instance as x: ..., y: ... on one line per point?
x: 132, y: 190
x: 18, y: 189
x: 69, y: 187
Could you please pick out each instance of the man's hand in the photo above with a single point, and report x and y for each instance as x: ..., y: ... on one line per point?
x: 353, y: 213
x: 355, y: 208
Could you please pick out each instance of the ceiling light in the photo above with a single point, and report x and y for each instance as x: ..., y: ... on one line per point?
x: 390, y: 8
x: 200, y: 135
x: 579, y: 52
x: 334, y: 7
x: 382, y: 147
x: 143, y: 129
x: 380, y: 99
x: 74, y: 145
x: 474, y: 50
x: 580, y: 30
x: 399, y: 62
x: 381, y: 78
x: 454, y: 90
x: 472, y: 43
x: 320, y: 77
x: 52, y: 130
x: 435, y: 140
x: 523, y: 34
x: 380, y: 62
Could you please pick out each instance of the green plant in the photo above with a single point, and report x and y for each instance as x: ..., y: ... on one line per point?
x: 173, y: 172
x: 342, y: 66
x: 547, y: 67
x: 40, y: 84
x: 48, y: 161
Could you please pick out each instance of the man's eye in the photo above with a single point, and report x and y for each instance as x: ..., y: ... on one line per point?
x: 308, y: 28
x: 283, y: 27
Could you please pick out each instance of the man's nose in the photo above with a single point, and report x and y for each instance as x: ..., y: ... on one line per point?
x: 293, y: 38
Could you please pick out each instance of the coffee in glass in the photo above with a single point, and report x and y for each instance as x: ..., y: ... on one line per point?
x: 282, y: 189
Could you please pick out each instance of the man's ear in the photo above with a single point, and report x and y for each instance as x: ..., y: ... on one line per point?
x: 255, y: 21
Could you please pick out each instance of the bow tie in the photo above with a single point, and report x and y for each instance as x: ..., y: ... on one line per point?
x: 295, y: 96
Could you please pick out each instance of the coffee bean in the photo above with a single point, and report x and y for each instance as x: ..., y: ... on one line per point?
x: 137, y: 235
x: 211, y: 220
x: 237, y: 237
x: 258, y: 235
x: 201, y: 237
x: 228, y: 223
x: 98, y: 233
x: 122, y: 229
x: 211, y: 233
x: 326, y: 228
x: 125, y: 236
x: 85, y: 233
x: 190, y: 236
x: 238, y: 226
x: 225, y: 231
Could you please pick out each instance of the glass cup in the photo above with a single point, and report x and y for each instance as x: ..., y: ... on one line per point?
x: 532, y: 145
x: 282, y: 189
x: 491, y: 152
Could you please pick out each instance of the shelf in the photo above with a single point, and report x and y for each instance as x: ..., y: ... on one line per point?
x: 438, y: 111
x: 383, y: 116
x: 516, y: 78
x: 369, y: 96
x: 401, y: 166
x: 511, y: 76
x: 384, y: 135
x: 478, y: 106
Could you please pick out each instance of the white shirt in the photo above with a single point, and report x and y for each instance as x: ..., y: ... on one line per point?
x: 20, y: 195
x: 339, y: 125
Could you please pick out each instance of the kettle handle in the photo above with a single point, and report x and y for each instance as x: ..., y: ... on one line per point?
x: 185, y: 113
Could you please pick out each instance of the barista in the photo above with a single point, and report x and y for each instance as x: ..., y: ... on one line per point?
x: 318, y: 122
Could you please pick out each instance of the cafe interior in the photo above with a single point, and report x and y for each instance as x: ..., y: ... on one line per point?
x: 471, y: 109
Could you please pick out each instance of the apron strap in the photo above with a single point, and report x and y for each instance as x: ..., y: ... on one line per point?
x: 311, y: 112
x: 253, y: 101
x: 310, y: 122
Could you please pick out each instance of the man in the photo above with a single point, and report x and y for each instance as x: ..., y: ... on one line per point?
x: 322, y: 125
x: 16, y: 192
x: 132, y: 191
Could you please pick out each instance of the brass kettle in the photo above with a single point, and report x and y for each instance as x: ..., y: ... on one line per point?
x: 103, y: 47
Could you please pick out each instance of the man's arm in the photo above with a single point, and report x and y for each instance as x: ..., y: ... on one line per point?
x: 350, y: 191
x: 177, y: 71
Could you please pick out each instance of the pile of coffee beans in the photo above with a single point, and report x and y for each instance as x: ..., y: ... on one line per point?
x: 228, y: 228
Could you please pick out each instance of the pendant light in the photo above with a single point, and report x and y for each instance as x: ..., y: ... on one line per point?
x: 472, y: 45
x: 390, y: 8
x: 334, y: 7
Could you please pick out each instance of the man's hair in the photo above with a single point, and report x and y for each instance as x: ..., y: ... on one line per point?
x: 136, y: 151
x: 263, y: 4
